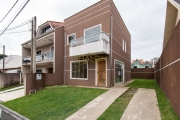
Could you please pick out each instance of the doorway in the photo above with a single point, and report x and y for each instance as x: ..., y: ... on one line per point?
x: 101, y: 72
x: 119, y: 72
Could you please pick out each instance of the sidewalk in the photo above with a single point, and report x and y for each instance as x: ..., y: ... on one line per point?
x: 96, y: 107
x: 12, y: 89
x: 11, y: 95
x: 143, y: 106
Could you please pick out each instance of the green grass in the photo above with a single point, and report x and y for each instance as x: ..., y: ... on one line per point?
x: 167, y: 112
x: 9, y: 87
x: 53, y: 103
x: 117, y: 108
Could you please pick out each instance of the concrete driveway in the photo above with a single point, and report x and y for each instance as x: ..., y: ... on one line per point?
x: 11, y: 95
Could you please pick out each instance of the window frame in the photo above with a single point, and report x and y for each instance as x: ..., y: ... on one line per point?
x: 93, y: 27
x: 68, y: 37
x: 71, y: 70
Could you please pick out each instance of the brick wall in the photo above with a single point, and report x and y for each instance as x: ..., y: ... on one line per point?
x: 142, y: 73
x: 167, y: 70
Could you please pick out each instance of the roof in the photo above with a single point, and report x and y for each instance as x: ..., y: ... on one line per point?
x: 11, y: 61
x: 141, y: 61
x: 55, y: 24
x: 178, y: 1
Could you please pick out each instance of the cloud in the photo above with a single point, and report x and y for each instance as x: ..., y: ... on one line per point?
x: 144, y: 19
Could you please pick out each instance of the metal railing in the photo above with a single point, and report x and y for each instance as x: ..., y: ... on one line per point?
x: 39, y: 58
x: 89, y: 39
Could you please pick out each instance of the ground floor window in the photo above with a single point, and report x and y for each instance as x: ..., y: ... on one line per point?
x: 79, y: 69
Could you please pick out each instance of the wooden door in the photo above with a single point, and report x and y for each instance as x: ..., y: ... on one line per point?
x: 101, y: 72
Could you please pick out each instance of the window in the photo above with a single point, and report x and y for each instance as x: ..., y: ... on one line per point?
x: 135, y: 66
x: 79, y: 70
x: 52, y: 48
x: 71, y: 38
x: 91, y: 34
x: 123, y: 44
x: 146, y: 66
x: 38, y: 71
x: 38, y: 52
x: 45, y: 29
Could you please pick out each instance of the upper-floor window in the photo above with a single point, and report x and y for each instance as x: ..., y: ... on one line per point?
x: 71, y: 38
x: 92, y: 34
x: 39, y: 71
x: 45, y: 29
x: 38, y: 52
x: 124, y: 45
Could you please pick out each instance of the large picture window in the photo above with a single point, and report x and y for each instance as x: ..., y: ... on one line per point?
x: 92, y: 34
x: 79, y: 70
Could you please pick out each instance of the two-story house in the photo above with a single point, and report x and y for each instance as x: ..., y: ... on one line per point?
x: 94, y: 48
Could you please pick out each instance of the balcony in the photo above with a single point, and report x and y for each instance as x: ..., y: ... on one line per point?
x: 49, y: 56
x: 93, y: 44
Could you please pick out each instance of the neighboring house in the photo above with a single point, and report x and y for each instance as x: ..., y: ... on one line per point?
x: 154, y: 61
x: 139, y: 63
x: 12, y: 64
x: 91, y: 48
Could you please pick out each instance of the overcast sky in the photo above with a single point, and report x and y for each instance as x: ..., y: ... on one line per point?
x: 145, y: 19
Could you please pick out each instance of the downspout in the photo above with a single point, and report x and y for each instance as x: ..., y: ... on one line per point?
x: 64, y: 58
x: 111, y: 25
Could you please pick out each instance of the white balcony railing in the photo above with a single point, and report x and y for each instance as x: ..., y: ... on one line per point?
x: 39, y: 58
x: 93, y: 44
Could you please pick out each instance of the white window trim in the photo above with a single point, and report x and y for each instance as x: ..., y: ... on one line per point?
x: 125, y: 46
x: 68, y: 37
x: 93, y: 27
x: 96, y: 82
x: 71, y: 70
x: 123, y: 71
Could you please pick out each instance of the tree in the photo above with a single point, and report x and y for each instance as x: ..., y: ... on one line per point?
x: 1, y: 56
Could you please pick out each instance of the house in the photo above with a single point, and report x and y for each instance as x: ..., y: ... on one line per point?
x: 139, y: 63
x: 91, y: 48
x: 12, y: 64
x: 154, y: 61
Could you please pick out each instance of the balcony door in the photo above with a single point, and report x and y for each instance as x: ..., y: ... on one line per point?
x: 92, y: 34
x: 101, y: 72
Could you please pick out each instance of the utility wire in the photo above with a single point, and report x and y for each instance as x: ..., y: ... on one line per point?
x: 15, y: 16
x: 8, y: 11
x: 18, y: 31
x: 18, y: 26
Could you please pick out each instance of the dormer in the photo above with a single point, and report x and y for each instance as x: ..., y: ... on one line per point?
x: 48, y: 27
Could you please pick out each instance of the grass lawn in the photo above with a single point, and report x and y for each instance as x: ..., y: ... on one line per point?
x: 10, y: 87
x: 53, y: 103
x: 116, y: 109
x: 167, y: 112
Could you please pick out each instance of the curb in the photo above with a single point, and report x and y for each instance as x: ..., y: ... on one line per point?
x: 13, y: 113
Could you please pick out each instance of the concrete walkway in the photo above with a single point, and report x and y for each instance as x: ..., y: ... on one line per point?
x: 96, y: 107
x: 11, y: 95
x: 12, y: 89
x: 143, y: 106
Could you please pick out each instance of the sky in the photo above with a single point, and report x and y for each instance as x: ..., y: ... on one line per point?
x: 145, y: 20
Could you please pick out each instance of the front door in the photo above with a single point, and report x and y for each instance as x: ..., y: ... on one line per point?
x: 101, y: 72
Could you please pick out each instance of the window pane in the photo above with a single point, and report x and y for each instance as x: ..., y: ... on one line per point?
x: 71, y: 38
x: 96, y: 29
x: 79, y: 70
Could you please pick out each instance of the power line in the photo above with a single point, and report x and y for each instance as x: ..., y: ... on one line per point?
x: 18, y: 31
x: 8, y: 11
x: 15, y: 17
x: 17, y: 26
